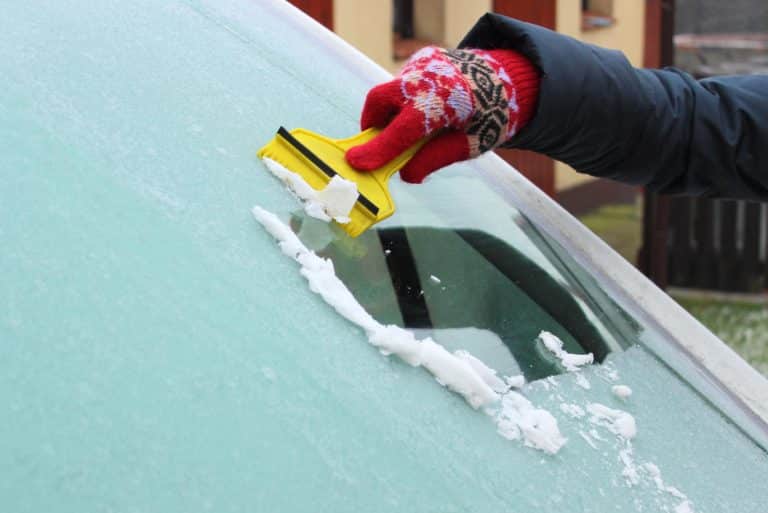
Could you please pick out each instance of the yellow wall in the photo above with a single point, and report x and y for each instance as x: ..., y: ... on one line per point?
x: 428, y: 17
x: 460, y: 16
x: 626, y: 34
x: 366, y: 25
x: 446, y: 22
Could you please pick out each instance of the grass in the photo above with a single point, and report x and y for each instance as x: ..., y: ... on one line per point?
x: 740, y: 324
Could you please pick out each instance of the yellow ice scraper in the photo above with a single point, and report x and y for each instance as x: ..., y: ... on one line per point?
x: 317, y: 159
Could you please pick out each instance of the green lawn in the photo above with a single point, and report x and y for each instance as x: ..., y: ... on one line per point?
x: 742, y: 325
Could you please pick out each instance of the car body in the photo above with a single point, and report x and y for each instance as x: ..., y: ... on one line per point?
x: 160, y: 353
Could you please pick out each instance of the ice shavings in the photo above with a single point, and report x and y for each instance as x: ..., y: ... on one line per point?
x: 650, y: 470
x: 582, y: 381
x: 489, y: 375
x: 335, y: 201
x: 608, y: 372
x: 450, y: 370
x: 519, y: 419
x: 573, y: 410
x: 655, y: 474
x: 621, y: 391
x: 570, y: 361
x: 515, y: 381
x: 617, y: 421
x: 635, y: 473
x: 630, y: 471
x: 588, y: 439
x: 515, y: 416
x: 623, y: 426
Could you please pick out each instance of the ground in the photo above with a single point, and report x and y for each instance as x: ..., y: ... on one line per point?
x: 741, y: 322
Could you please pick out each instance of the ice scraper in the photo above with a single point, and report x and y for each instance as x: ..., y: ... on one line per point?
x: 317, y: 159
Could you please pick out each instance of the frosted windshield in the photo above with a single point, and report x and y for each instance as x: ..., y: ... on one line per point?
x: 159, y: 353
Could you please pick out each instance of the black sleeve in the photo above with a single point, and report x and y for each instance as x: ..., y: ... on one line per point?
x: 657, y: 128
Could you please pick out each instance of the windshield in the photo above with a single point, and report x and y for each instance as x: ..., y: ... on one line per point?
x: 158, y: 352
x: 460, y: 265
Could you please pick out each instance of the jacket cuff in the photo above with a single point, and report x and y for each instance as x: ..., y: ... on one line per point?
x: 525, y: 83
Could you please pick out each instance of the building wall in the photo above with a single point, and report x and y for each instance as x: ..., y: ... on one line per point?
x: 366, y: 25
x: 460, y: 16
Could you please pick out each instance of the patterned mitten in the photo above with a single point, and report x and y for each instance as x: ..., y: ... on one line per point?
x: 471, y: 101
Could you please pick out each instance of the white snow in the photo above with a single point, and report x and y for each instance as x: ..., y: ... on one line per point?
x: 685, y: 506
x: 435, y: 279
x: 618, y: 422
x: 621, y: 391
x: 518, y: 418
x: 489, y: 375
x: 588, y: 439
x: 630, y: 471
x: 515, y: 381
x: 570, y: 361
x: 594, y: 434
x: 609, y: 372
x: 582, y: 381
x: 655, y: 474
x: 514, y: 415
x: 574, y: 410
x: 334, y: 202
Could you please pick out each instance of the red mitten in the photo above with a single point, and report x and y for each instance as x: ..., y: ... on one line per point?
x: 475, y: 99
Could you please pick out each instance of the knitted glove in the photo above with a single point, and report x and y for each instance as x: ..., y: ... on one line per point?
x: 471, y: 101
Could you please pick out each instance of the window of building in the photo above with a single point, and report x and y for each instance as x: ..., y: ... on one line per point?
x: 596, y: 14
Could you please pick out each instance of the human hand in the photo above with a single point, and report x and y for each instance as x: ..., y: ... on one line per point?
x: 468, y: 101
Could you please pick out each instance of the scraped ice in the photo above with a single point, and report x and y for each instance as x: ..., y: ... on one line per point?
x: 334, y: 202
x: 489, y: 375
x: 570, y: 361
x: 655, y: 474
x: 685, y: 506
x: 515, y: 381
x: 630, y: 471
x: 518, y: 418
x: 435, y: 279
x: 583, y: 382
x: 621, y: 391
x: 573, y: 410
x: 588, y: 439
x: 515, y: 416
x: 617, y: 421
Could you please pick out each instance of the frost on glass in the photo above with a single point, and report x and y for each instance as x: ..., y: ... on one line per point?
x: 159, y: 353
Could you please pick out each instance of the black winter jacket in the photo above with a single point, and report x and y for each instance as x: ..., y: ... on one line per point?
x: 657, y: 128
